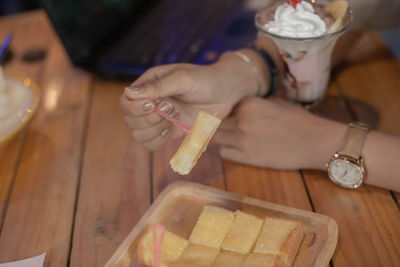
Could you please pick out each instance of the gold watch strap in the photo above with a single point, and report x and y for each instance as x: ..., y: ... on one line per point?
x: 354, y: 140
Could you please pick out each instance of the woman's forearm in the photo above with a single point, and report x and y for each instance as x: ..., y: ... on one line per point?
x: 381, y: 157
x: 380, y: 152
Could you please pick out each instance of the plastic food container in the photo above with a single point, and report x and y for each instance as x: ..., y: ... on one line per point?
x: 180, y: 204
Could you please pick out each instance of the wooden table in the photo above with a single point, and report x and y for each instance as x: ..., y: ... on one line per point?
x: 75, y: 183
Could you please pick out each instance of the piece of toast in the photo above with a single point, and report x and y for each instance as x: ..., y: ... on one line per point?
x: 264, y: 260
x: 242, y: 236
x: 212, y: 226
x: 196, y: 255
x: 172, y: 249
x: 280, y: 237
x: 229, y: 259
x: 195, y: 143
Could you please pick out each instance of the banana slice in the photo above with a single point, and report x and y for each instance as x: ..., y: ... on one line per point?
x: 338, y: 10
x: 194, y: 143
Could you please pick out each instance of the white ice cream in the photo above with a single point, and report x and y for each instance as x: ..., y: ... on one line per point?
x: 299, y: 22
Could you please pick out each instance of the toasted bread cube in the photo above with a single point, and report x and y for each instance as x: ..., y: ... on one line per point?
x: 212, y: 226
x: 264, y: 260
x: 196, y: 255
x: 280, y: 237
x: 229, y: 259
x: 194, y: 143
x: 172, y: 248
x: 242, y: 235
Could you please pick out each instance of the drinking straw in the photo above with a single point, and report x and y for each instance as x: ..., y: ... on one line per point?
x: 158, y: 236
x: 176, y: 122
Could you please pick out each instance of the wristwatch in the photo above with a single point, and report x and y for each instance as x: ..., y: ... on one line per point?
x: 346, y: 167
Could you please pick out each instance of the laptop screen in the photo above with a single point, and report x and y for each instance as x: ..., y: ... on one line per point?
x: 86, y: 26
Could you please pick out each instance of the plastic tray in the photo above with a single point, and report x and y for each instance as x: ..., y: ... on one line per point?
x: 180, y: 204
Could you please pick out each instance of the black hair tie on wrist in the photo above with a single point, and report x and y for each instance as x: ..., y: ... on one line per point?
x: 273, y: 71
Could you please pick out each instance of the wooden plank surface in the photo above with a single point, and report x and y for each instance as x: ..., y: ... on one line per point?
x: 9, y: 155
x: 40, y: 210
x: 368, y: 218
x: 281, y: 187
x: 115, y: 185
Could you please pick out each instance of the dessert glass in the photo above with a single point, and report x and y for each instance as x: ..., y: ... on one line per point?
x: 307, y: 60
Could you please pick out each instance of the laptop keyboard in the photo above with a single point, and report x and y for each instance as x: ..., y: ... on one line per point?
x: 175, y: 31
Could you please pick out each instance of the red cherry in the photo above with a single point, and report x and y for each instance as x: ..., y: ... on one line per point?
x: 293, y: 2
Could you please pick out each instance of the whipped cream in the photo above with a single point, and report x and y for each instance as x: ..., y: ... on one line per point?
x: 299, y: 22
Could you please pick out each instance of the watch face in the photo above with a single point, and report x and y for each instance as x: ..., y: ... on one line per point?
x: 345, y: 173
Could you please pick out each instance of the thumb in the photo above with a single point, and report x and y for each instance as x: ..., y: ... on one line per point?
x: 175, y: 83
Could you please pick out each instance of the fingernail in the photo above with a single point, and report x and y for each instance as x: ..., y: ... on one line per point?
x: 173, y: 112
x: 134, y: 90
x: 148, y: 106
x: 166, y: 107
x: 165, y: 132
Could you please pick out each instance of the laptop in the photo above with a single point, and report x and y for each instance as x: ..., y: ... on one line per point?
x: 123, y: 38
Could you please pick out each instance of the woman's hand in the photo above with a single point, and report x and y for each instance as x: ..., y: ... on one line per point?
x: 182, y: 90
x: 276, y: 134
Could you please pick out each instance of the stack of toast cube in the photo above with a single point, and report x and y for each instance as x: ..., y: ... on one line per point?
x: 222, y: 238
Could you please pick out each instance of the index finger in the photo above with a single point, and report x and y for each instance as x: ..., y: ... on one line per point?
x: 175, y: 83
